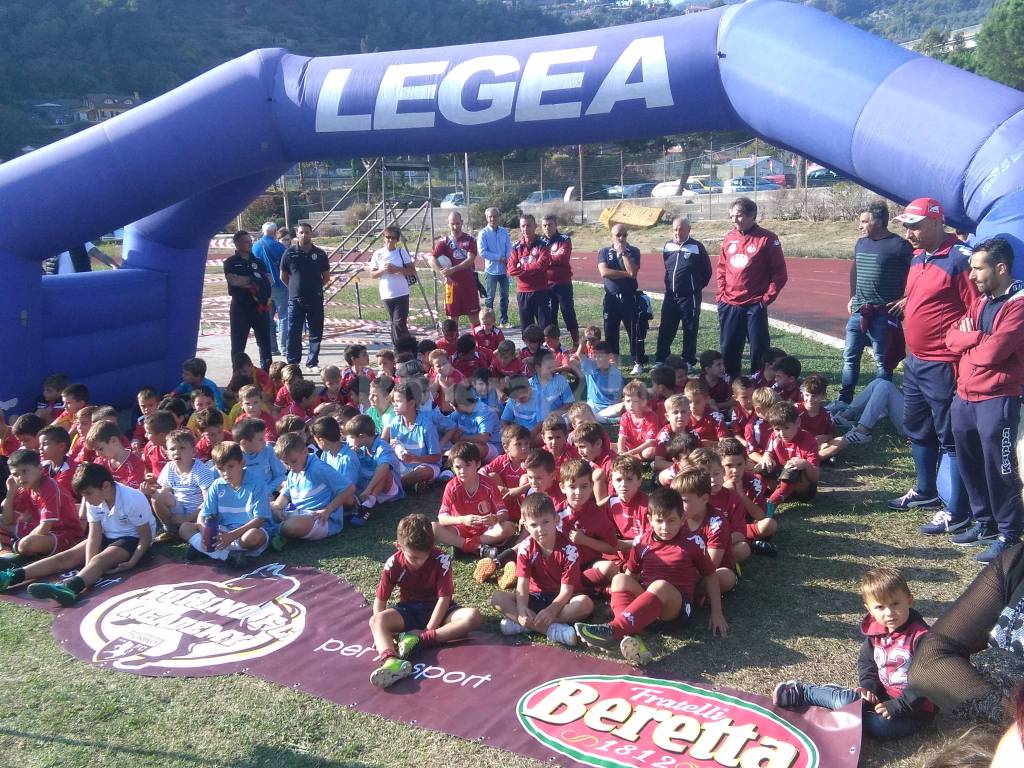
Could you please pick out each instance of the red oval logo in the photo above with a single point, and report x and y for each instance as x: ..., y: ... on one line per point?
x: 618, y: 721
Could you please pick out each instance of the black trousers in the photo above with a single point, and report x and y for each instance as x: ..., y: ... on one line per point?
x: 621, y: 309
x: 398, y: 311
x: 534, y: 308
x: 243, y: 318
x: 562, y: 299
x: 738, y: 324
x: 301, y: 312
x: 676, y: 310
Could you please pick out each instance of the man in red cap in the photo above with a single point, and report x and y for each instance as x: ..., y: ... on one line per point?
x: 939, y: 291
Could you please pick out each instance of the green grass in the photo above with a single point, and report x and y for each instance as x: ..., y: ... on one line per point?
x: 796, y: 616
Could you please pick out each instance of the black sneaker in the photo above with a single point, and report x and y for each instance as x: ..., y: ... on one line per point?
x: 913, y: 500
x: 762, y: 547
x: 994, y: 550
x: 360, y: 517
x: 59, y: 592
x: 942, y: 522
x: 975, y: 536
x: 596, y: 635
x: 487, y: 551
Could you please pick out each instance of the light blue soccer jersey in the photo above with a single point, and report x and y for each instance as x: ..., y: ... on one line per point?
x: 603, y: 389
x: 315, y: 487
x: 269, y: 467
x: 237, y: 506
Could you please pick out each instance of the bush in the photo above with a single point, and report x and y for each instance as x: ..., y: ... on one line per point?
x: 507, y: 204
x: 264, y: 208
x: 354, y: 214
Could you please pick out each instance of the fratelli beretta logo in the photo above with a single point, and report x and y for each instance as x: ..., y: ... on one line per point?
x: 611, y: 721
x: 196, y: 624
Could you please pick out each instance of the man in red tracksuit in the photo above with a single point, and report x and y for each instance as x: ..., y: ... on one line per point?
x: 560, y: 277
x: 528, y: 264
x: 751, y: 272
x: 986, y: 409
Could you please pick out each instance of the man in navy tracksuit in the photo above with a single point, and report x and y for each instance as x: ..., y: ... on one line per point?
x: 939, y: 291
x: 986, y: 409
x: 687, y: 271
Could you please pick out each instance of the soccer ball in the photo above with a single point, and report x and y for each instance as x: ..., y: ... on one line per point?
x: 443, y: 262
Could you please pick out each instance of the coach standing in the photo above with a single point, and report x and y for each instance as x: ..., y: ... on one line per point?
x: 619, y: 264
x: 458, y: 268
x: 939, y: 292
x: 751, y: 272
x: 529, y: 264
x: 560, y: 277
x: 305, y: 269
x: 687, y: 272
x: 986, y: 409
x: 249, y: 287
x: 494, y: 246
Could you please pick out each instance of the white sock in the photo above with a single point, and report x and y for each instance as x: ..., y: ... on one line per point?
x: 368, y: 502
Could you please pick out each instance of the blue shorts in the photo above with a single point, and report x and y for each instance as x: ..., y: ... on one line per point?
x: 416, y: 615
x: 541, y: 600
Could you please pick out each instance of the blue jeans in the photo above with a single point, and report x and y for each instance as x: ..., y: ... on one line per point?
x: 279, y: 340
x: 856, y: 340
x: 300, y: 312
x: 877, y: 727
x: 493, y: 282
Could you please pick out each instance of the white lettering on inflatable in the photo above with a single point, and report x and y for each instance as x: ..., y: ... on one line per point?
x: 537, y: 81
x: 653, y: 86
x: 500, y: 95
x: 393, y: 91
x: 328, y: 104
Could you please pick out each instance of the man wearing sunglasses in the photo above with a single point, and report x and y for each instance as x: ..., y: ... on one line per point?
x: 619, y: 264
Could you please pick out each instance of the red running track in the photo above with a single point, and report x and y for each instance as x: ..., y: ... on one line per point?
x: 815, y: 296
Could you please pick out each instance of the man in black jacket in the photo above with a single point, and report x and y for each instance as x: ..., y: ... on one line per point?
x: 687, y: 271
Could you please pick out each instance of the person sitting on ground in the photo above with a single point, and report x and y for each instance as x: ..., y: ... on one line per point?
x: 677, y: 453
x: 148, y: 400
x: 54, y: 444
x: 555, y: 434
x: 412, y: 434
x: 706, y: 423
x: 787, y: 378
x: 742, y: 405
x: 251, y: 406
x: 121, y: 530
x: 380, y: 401
x: 792, y: 459
x: 758, y: 432
x: 209, y: 423
x: 766, y: 376
x: 380, y: 471
x: 477, y: 423
x: 663, y: 386
x: 26, y: 430
x: 758, y: 528
x: 553, y: 392
x: 628, y: 504
x: 594, y: 445
x: 251, y: 435
x: 638, y: 425
x: 50, y: 405
x: 892, y: 632
x: 604, y: 380
x: 193, y: 375
x: 523, y: 408
x: 425, y: 614
x: 817, y: 420
x: 107, y: 441
x: 707, y: 522
x: 488, y: 335
x: 180, y: 489
x: 312, y: 501
x: 468, y: 358
x: 507, y: 470
x: 677, y: 421
x: 712, y: 373
x: 588, y: 526
x: 38, y: 516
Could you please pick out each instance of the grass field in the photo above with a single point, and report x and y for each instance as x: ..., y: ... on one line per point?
x: 795, y: 616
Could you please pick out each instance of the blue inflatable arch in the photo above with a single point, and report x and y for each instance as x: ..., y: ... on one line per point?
x: 182, y: 165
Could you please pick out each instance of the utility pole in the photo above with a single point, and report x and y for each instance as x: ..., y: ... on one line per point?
x: 581, y: 182
x: 284, y: 191
x: 465, y: 168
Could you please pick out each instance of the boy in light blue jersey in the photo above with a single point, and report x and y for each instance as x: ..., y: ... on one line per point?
x: 554, y: 394
x: 412, y: 433
x: 193, y: 375
x: 313, y: 498
x: 250, y: 434
x: 477, y: 423
x: 522, y: 408
x: 239, y: 502
x: 380, y: 471
x: 604, y: 381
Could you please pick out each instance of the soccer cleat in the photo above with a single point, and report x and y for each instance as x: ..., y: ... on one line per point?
x: 488, y: 551
x: 635, y: 651
x: 637, y: 370
x: 507, y: 578
x: 942, y: 522
x: 788, y: 695
x: 913, y: 500
x: 485, y: 570
x: 561, y: 633
x: 994, y: 550
x: 975, y: 536
x: 765, y: 548
x: 63, y: 594
x: 390, y: 672
x: 856, y: 437
x: 360, y: 518
x: 407, y: 644
x: 6, y: 580
x: 165, y: 537
x: 278, y: 542
x: 596, y: 635
x: 510, y: 627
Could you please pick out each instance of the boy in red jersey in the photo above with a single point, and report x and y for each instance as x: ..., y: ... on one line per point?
x: 750, y: 488
x: 468, y: 358
x: 356, y: 378
x: 638, y: 425
x: 712, y: 373
x: 125, y: 466
x: 707, y: 522
x: 425, y: 614
x: 210, y: 423
x: 555, y: 435
x: 758, y: 432
x: 158, y: 425
x: 449, y: 337
x: 488, y: 335
x: 289, y: 373
x: 54, y: 443
x: 473, y: 517
x: 628, y: 504
x: 729, y: 503
x: 443, y: 378
x: 659, y: 582
x: 706, y: 423
x: 507, y: 364
x: 41, y: 515
x: 546, y: 599
x: 816, y: 419
x: 75, y: 397
x: 332, y: 391
x: 587, y: 525
x: 792, y: 456
x: 250, y: 398
x: 677, y: 421
x: 787, y: 378
x: 149, y: 402
x: 507, y: 471
x: 892, y: 630
x: 742, y: 405
x: 533, y: 339
x: 303, y: 400
x: 563, y: 357
x: 26, y: 430
x: 678, y: 450
x: 593, y: 444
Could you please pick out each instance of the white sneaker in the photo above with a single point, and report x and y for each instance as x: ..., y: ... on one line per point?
x: 637, y: 370
x: 837, y: 406
x: 561, y: 633
x: 856, y: 437
x: 509, y: 627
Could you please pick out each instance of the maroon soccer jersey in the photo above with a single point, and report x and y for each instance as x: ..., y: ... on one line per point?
x: 635, y: 431
x: 131, y: 472
x: 430, y: 581
x: 821, y: 424
x: 710, y: 426
x: 154, y: 457
x: 714, y: 532
x: 49, y: 503
x: 515, y: 367
x: 547, y: 573
x: 488, y: 340
x: 591, y: 520
x: 630, y: 517
x: 467, y: 365
x: 753, y: 488
x: 740, y: 419
x: 758, y: 433
x: 728, y: 504
x: 803, y: 445
x: 63, y: 473
x: 485, y: 500
x: 791, y: 392
x: 510, y: 476
x: 681, y: 561
x: 604, y: 461
x: 721, y: 390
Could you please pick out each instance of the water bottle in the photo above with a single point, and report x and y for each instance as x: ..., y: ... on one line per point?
x: 211, y: 527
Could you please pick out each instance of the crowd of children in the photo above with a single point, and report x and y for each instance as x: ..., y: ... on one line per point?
x: 543, y: 453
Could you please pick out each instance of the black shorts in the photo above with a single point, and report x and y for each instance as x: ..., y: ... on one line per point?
x: 128, y: 543
x: 541, y: 600
x: 417, y: 615
x: 679, y: 622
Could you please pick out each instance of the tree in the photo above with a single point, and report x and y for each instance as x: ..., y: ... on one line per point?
x: 16, y: 130
x: 1000, y: 51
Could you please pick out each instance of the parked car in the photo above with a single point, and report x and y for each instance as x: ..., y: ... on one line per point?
x: 453, y: 200
x: 704, y: 187
x: 642, y: 189
x: 823, y: 177
x: 787, y: 180
x: 590, y: 192
x: 542, y: 196
x: 673, y: 189
x: 746, y: 184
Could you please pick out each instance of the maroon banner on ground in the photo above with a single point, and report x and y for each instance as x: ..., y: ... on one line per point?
x: 308, y: 630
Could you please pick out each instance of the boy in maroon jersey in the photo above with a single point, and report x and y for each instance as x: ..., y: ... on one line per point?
x: 304, y: 400
x: 54, y: 442
x: 468, y: 358
x: 638, y: 425
x: 892, y: 630
x: 758, y: 432
x: 210, y: 423
x: 758, y: 526
x: 555, y: 435
x: 149, y: 402
x: 706, y: 423
x: 628, y: 504
x: 41, y: 515
x: 663, y: 386
x: 473, y: 517
x: 677, y: 421
x: 26, y: 430
x: 792, y: 456
x: 546, y: 599
x: 742, y: 405
x: 679, y: 448
x: 533, y: 338
x: 816, y: 419
x: 592, y: 442
x: 728, y: 502
x: 659, y: 582
x: 712, y: 373
x: 507, y: 471
x: 125, y: 466
x: 425, y: 614
x: 787, y: 378
x: 154, y: 453
x: 507, y: 363
x: 250, y: 397
x: 488, y: 335
x: 708, y: 522
x: 587, y: 525
x: 766, y: 376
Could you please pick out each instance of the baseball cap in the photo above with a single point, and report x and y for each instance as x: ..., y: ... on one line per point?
x: 921, y: 209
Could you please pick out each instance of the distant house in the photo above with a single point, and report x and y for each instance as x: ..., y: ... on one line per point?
x: 57, y: 111
x: 97, y: 107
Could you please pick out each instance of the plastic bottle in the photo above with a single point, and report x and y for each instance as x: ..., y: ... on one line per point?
x: 211, y: 528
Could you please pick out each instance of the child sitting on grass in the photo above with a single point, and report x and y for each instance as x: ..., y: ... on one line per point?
x: 507, y: 471
x: 758, y: 432
x: 126, y: 467
x: 742, y: 405
x: 40, y: 514
x: 660, y: 580
x: 588, y: 526
x: 54, y: 444
x: 677, y: 421
x: 703, y: 520
x: 816, y: 419
x: 892, y: 630
x: 193, y: 375
x: 638, y: 425
x: 593, y: 444
x: 706, y: 423
x: 259, y: 455
x: 412, y: 434
x: 121, y: 529
x: 679, y: 448
x: 628, y: 504
x: 425, y: 614
x: 712, y: 373
x: 181, y: 487
x: 792, y: 457
x: 380, y: 401
x: 312, y: 501
x: 758, y: 527
x: 547, y: 598
x: 787, y: 378
x: 380, y: 471
x: 555, y: 435
x: 604, y: 380
x: 473, y: 517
